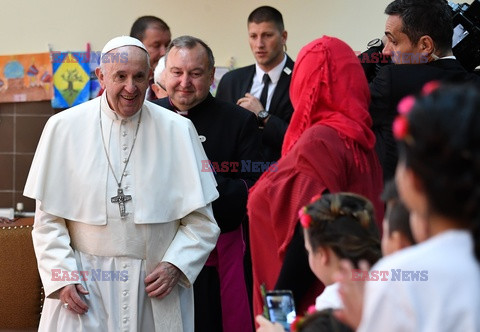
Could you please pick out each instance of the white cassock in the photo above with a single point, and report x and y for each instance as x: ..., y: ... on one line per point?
x: 78, y: 230
x: 438, y: 289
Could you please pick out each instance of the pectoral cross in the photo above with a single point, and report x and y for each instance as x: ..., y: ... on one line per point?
x: 121, y: 199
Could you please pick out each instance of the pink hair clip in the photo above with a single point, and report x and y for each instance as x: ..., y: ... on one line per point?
x: 429, y: 87
x: 400, y: 127
x: 315, y: 198
x: 297, y: 323
x: 305, y: 218
x: 405, y: 105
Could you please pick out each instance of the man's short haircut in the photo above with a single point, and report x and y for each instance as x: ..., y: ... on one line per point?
x: 190, y: 42
x: 398, y: 216
x: 425, y: 17
x: 145, y: 22
x: 267, y: 14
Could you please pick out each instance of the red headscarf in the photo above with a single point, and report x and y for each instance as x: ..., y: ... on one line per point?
x: 329, y: 87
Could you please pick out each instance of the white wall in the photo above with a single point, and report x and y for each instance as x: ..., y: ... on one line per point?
x: 28, y: 26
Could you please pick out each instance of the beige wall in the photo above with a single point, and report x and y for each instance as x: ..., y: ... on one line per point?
x: 28, y: 26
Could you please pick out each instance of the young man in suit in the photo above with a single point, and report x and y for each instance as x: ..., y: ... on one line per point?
x: 419, y: 42
x: 245, y: 86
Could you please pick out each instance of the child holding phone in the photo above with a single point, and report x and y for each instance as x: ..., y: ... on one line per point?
x: 336, y: 226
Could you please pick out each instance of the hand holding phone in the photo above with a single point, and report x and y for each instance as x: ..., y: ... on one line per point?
x: 281, y: 307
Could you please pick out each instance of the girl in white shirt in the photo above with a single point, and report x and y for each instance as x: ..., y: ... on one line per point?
x: 435, y: 285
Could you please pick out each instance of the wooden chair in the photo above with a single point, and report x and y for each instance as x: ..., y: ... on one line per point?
x: 21, y: 291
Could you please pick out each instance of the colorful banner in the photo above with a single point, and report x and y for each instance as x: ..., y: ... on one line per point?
x: 25, y: 77
x: 71, y: 78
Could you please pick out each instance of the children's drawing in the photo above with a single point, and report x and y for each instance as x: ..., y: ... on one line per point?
x: 25, y: 77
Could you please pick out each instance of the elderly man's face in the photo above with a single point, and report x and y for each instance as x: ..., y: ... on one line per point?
x: 188, y: 76
x: 125, y: 80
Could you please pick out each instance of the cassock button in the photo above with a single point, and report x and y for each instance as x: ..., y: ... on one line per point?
x: 125, y: 306
x: 125, y: 173
x: 125, y: 160
x: 125, y: 293
x: 125, y: 320
x: 127, y: 187
x: 125, y: 148
x: 124, y: 134
x: 125, y: 266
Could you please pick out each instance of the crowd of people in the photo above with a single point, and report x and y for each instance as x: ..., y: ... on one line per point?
x: 160, y: 207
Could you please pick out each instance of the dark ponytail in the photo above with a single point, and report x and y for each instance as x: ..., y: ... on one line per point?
x: 442, y: 147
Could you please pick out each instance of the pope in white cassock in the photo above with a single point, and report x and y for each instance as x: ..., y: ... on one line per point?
x: 123, y: 220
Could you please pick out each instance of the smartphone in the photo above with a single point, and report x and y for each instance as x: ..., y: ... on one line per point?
x: 281, y: 307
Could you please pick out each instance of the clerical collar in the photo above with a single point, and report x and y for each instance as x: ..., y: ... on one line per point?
x: 110, y: 113
x: 274, y: 74
x: 184, y: 113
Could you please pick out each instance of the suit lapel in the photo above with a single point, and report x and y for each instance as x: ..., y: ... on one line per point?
x: 247, y: 81
x: 283, y: 85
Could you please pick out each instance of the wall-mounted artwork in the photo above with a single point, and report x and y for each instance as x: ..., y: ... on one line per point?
x: 94, y: 83
x: 219, y: 72
x: 71, y: 78
x: 25, y: 77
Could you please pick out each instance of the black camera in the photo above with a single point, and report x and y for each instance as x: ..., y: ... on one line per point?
x: 373, y: 59
x: 466, y: 33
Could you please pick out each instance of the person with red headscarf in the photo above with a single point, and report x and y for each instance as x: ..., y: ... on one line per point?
x: 328, y: 147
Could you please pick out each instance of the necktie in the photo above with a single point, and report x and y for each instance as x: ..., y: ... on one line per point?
x: 263, y: 96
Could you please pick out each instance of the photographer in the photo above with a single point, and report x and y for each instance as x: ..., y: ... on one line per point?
x: 419, y: 42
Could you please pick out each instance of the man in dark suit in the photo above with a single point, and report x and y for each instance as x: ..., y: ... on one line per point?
x: 230, y: 137
x: 419, y: 41
x: 155, y: 34
x: 245, y: 86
